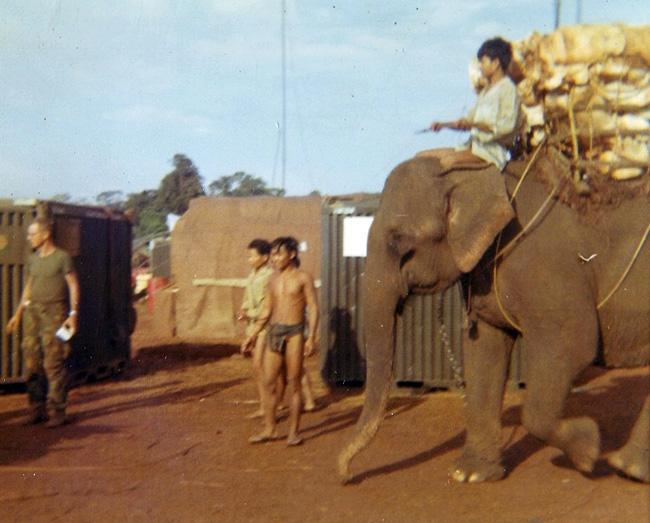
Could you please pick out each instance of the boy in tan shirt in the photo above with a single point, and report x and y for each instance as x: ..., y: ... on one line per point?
x: 291, y: 294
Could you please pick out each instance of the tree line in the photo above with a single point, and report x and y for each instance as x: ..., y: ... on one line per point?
x: 150, y: 207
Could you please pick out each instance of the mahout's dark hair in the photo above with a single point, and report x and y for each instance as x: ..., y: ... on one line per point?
x: 261, y: 246
x: 496, y: 48
x: 290, y: 245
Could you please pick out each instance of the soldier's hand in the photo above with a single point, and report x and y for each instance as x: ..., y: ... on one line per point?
x: 71, y: 324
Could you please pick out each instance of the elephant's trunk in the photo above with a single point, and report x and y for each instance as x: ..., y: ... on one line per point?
x: 383, y: 291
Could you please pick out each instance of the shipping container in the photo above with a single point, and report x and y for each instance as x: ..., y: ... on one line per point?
x: 428, y: 339
x: 99, y: 242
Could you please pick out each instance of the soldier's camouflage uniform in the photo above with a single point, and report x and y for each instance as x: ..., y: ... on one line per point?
x: 44, y: 354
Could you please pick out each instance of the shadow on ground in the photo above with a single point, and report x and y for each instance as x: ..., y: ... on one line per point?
x: 175, y: 357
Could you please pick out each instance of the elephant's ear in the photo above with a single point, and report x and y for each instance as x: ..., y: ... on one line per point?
x: 478, y: 209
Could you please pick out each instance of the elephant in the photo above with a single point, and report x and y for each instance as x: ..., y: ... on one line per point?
x: 531, y: 267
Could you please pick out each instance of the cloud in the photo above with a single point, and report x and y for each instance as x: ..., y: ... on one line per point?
x: 150, y: 115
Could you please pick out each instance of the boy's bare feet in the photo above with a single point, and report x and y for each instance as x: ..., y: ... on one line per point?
x: 294, y: 441
x: 254, y: 415
x: 262, y: 437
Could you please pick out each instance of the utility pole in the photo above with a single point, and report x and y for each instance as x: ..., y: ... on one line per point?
x: 558, y: 7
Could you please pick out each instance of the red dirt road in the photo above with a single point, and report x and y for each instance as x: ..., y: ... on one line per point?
x: 167, y: 442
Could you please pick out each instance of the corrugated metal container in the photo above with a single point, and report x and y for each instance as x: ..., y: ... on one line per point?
x: 422, y: 358
x: 100, y: 244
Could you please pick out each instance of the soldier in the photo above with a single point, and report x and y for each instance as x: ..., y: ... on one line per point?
x: 48, y: 324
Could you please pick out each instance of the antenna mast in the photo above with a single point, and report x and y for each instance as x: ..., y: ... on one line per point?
x: 284, y: 95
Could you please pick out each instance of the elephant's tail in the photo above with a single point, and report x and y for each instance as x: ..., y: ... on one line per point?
x: 378, y: 385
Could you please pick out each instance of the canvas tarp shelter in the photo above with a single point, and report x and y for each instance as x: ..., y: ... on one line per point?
x: 209, y: 244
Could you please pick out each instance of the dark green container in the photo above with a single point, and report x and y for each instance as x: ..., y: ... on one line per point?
x: 99, y: 242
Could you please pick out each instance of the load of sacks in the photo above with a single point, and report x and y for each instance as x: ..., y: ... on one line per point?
x: 586, y: 90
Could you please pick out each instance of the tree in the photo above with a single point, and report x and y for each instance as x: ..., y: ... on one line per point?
x: 242, y: 184
x: 61, y: 197
x: 148, y: 219
x: 179, y: 186
x: 112, y: 199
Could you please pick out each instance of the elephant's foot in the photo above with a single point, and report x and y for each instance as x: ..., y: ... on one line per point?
x: 580, y: 440
x: 632, y: 461
x: 472, y: 468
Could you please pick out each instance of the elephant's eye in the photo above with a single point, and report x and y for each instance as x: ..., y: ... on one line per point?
x: 434, y: 230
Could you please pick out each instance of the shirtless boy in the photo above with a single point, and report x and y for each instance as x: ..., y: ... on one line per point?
x: 291, y: 294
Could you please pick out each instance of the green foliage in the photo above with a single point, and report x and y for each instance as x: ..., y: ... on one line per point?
x: 148, y: 220
x: 112, y: 199
x: 62, y: 197
x: 179, y: 186
x: 242, y: 184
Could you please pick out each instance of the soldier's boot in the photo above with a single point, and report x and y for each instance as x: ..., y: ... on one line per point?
x: 35, y: 415
x: 57, y: 418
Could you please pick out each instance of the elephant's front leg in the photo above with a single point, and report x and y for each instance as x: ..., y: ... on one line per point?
x: 486, y: 351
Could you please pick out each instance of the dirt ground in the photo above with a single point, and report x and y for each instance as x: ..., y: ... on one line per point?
x: 166, y: 441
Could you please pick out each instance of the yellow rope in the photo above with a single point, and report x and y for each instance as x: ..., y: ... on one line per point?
x: 516, y: 238
x: 506, y: 248
x: 527, y: 169
x: 496, y: 293
x: 627, y: 269
x: 501, y: 253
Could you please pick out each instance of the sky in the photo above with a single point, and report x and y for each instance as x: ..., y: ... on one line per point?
x: 99, y: 96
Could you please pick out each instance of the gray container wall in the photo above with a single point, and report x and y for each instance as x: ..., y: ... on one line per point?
x: 100, y: 245
x: 421, y: 358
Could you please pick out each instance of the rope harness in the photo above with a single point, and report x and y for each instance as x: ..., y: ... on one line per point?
x: 500, y: 253
x: 456, y: 367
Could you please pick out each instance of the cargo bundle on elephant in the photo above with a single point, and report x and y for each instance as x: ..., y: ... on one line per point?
x: 586, y: 90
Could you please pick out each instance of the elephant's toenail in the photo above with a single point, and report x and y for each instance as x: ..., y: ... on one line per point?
x: 458, y: 475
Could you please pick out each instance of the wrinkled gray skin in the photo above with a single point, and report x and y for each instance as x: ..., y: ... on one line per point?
x: 431, y: 227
